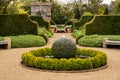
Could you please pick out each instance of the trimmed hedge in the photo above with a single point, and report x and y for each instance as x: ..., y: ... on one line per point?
x: 96, y: 40
x: 44, y: 36
x: 80, y: 36
x: 104, y: 25
x: 17, y: 24
x: 35, y: 58
x: 82, y: 21
x: 23, y: 41
x: 40, y: 21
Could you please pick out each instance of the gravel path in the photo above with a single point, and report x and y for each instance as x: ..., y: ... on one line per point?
x: 11, y: 69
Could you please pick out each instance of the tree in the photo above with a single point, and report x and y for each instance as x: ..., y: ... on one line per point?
x: 77, y: 13
x: 116, y: 7
x: 3, y: 5
x: 95, y: 6
x: 106, y: 11
x: 16, y: 7
x: 60, y: 13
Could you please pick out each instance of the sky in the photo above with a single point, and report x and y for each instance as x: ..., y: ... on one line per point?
x: 104, y: 1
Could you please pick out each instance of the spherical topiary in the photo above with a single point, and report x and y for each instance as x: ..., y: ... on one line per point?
x: 64, y: 48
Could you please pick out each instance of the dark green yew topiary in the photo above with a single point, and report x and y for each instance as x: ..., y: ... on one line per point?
x: 64, y: 48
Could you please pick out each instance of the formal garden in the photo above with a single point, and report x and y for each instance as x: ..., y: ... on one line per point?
x: 46, y: 40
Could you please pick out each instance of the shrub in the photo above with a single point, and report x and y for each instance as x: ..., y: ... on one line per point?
x: 64, y: 48
x: 82, y: 21
x: 78, y: 38
x: 28, y: 59
x: 1, y: 38
x: 35, y: 58
x: 77, y: 33
x: 96, y: 40
x: 45, y: 32
x: 17, y: 24
x: 27, y: 41
x: 40, y: 21
x: 104, y: 25
x: 87, y: 14
x: 44, y: 36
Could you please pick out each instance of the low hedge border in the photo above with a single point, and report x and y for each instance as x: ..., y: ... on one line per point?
x: 96, y: 40
x: 23, y: 41
x: 35, y: 58
x: 72, y: 71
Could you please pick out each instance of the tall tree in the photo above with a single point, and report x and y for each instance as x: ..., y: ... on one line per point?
x: 95, y: 5
x: 106, y: 10
x: 16, y: 7
x: 58, y: 14
x: 116, y: 7
x: 3, y: 5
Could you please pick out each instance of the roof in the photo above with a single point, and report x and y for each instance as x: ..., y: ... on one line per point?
x: 41, y: 3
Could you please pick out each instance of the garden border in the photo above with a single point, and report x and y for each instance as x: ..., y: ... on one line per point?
x: 57, y: 71
x: 33, y: 59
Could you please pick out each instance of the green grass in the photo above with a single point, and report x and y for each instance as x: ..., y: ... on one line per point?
x: 96, y: 40
x: 23, y: 41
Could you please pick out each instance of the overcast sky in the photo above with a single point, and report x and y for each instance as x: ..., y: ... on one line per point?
x: 65, y: 1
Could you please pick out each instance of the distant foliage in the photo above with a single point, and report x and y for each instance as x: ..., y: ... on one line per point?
x: 116, y: 7
x: 87, y: 14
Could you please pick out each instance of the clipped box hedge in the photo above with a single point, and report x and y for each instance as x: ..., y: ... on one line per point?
x: 83, y: 20
x: 36, y: 59
x: 17, y: 24
x: 104, y: 25
x: 40, y: 21
x: 23, y: 41
x: 96, y: 40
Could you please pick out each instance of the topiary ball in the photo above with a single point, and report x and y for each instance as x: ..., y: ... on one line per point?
x: 64, y: 48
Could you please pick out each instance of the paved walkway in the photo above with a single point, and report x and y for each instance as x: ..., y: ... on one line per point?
x: 10, y: 68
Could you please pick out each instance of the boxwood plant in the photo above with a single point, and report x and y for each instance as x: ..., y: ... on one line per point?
x: 43, y: 59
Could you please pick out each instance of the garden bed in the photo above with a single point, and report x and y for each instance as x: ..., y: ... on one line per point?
x: 36, y: 59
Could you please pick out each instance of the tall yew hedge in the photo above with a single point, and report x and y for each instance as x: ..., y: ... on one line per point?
x: 40, y: 21
x: 104, y: 25
x: 17, y: 24
x: 83, y: 20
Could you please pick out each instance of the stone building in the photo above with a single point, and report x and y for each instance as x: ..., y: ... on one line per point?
x: 43, y: 7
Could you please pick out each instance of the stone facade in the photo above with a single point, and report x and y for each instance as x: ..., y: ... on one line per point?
x: 43, y: 7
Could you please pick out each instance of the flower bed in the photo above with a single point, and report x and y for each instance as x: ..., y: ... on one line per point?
x: 43, y: 59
